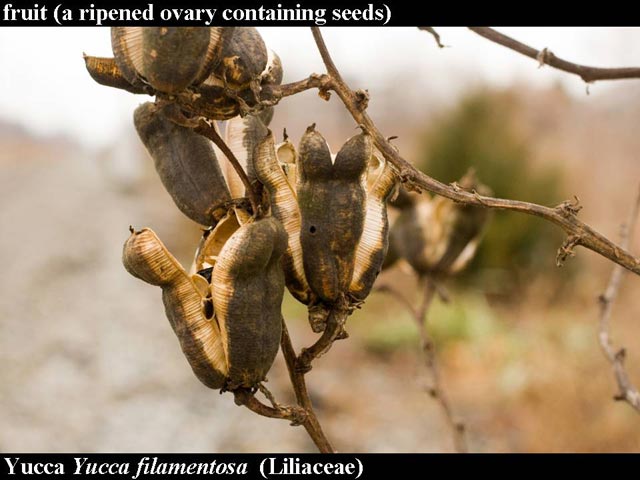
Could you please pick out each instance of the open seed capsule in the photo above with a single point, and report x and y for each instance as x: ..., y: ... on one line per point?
x: 229, y: 328
x: 332, y: 202
x: 437, y: 236
x: 186, y: 164
x: 184, y: 297
x: 269, y: 164
x: 169, y: 59
x: 372, y: 247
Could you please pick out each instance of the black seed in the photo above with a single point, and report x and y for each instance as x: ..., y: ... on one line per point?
x: 312, y: 229
x: 206, y: 273
x: 208, y: 308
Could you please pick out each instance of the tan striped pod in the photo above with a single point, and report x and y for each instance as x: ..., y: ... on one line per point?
x: 372, y: 248
x: 229, y: 328
x: 437, y: 236
x: 248, y: 287
x: 184, y: 297
x: 270, y: 170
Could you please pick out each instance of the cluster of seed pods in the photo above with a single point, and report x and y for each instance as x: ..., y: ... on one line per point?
x: 323, y: 228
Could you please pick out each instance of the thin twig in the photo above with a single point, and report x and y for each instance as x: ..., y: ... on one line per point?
x: 627, y: 392
x: 563, y: 215
x: 295, y: 414
x: 546, y: 57
x: 333, y: 331
x: 207, y: 130
x: 310, y: 423
x: 434, y: 34
x: 436, y: 390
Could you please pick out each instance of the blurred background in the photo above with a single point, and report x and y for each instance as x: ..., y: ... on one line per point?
x: 89, y: 361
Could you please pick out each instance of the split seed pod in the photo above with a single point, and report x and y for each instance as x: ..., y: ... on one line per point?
x: 186, y: 164
x: 229, y: 328
x: 170, y: 59
x: 334, y: 214
x: 373, y: 245
x: 332, y: 199
x: 437, y: 236
x: 245, y: 67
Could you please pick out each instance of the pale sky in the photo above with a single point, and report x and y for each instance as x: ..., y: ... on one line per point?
x: 44, y: 84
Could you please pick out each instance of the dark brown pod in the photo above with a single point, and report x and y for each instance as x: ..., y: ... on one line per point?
x: 331, y: 198
x: 244, y: 58
x: 248, y: 287
x: 170, y: 59
x: 186, y: 164
x: 185, y: 298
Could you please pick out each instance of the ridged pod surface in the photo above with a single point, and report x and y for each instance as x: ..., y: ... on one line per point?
x: 185, y: 162
x: 284, y: 206
x: 372, y: 248
x: 184, y: 297
x: 332, y: 202
x: 242, y: 135
x: 248, y: 286
x: 228, y: 322
x: 170, y: 59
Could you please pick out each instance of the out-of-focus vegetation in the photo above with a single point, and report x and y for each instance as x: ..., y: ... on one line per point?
x: 486, y: 131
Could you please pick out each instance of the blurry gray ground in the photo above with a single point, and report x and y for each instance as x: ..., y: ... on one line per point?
x: 89, y: 362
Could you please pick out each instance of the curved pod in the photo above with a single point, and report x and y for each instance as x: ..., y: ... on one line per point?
x: 373, y: 245
x: 248, y: 287
x: 284, y: 207
x: 229, y: 328
x: 186, y: 164
x: 184, y: 297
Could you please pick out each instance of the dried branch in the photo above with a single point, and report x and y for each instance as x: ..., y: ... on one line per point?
x: 295, y: 414
x: 546, y: 57
x: 436, y: 390
x: 332, y: 332
x: 627, y: 392
x: 563, y: 215
x: 434, y: 34
x: 310, y: 423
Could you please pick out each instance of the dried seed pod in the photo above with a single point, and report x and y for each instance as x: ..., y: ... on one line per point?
x: 331, y: 198
x: 186, y: 164
x: 372, y: 248
x: 248, y: 286
x: 268, y: 166
x: 229, y: 328
x: 244, y: 58
x: 437, y: 236
x: 184, y: 297
x: 170, y: 59
x: 246, y: 65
